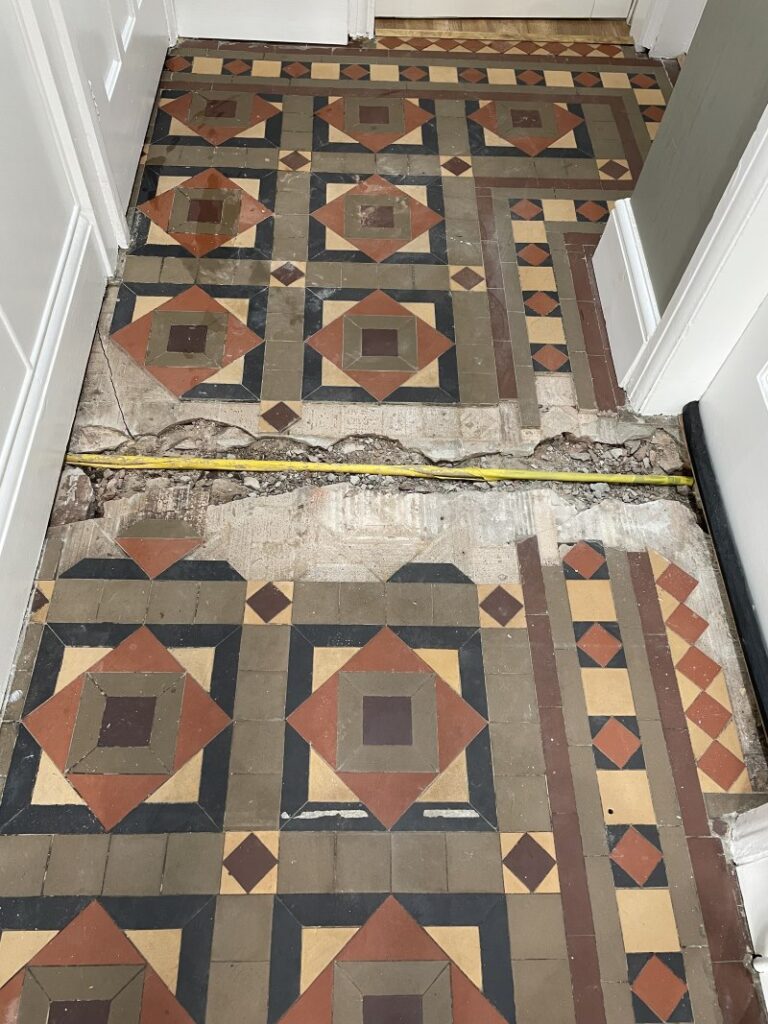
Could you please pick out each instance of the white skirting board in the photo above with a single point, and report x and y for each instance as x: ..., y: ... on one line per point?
x: 748, y: 844
x: 626, y: 292
x: 31, y: 472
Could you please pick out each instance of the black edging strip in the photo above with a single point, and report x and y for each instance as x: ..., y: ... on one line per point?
x: 731, y: 568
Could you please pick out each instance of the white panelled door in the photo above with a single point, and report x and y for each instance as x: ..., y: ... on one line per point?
x: 300, y: 21
x: 53, y: 269
x: 502, y: 8
x: 119, y: 47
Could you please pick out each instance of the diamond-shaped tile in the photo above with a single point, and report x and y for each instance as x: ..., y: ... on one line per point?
x: 534, y: 254
x: 529, y: 862
x: 186, y: 340
x: 458, y: 166
x: 686, y: 623
x: 709, y: 714
x: 526, y: 209
x: 634, y: 853
x: 268, y: 602
x: 250, y: 862
x: 295, y: 160
x: 600, y: 644
x: 720, y: 765
x: 618, y: 744
x: 698, y: 667
x: 592, y: 211
x: 551, y: 358
x: 278, y: 416
x: 659, y: 988
x: 501, y: 606
x: 677, y: 582
x: 467, y: 278
x: 542, y: 303
x: 218, y: 117
x: 587, y: 561
x: 287, y: 274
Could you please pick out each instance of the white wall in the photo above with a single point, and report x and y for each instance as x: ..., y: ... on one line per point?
x: 734, y: 413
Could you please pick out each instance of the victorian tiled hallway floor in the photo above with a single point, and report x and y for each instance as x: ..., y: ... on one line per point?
x: 358, y: 756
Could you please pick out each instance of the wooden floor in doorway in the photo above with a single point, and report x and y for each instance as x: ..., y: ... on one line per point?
x: 599, y: 30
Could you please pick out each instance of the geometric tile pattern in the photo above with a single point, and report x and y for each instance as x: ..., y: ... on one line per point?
x: 529, y: 862
x: 125, y: 726
x: 412, y: 800
x: 655, y: 967
x: 701, y: 680
x: 282, y: 188
x: 91, y: 972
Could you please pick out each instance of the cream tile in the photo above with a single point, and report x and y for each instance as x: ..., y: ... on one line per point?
x: 607, y: 691
x: 591, y: 600
x: 647, y: 921
x: 626, y: 797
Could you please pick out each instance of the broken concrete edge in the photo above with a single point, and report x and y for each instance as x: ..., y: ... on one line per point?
x: 347, y: 532
x: 121, y: 403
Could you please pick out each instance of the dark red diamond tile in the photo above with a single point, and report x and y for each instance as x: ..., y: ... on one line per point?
x: 501, y: 606
x: 613, y: 170
x: 542, y: 303
x: 687, y: 624
x: 529, y: 862
x: 530, y: 77
x: 287, y: 274
x: 456, y: 165
x: 592, y: 211
x: 467, y: 278
x: 250, y: 862
x: 280, y: 416
x: 268, y: 602
x: 294, y: 161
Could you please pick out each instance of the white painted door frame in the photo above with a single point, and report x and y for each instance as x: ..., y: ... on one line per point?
x: 665, y: 27
x: 667, y: 359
